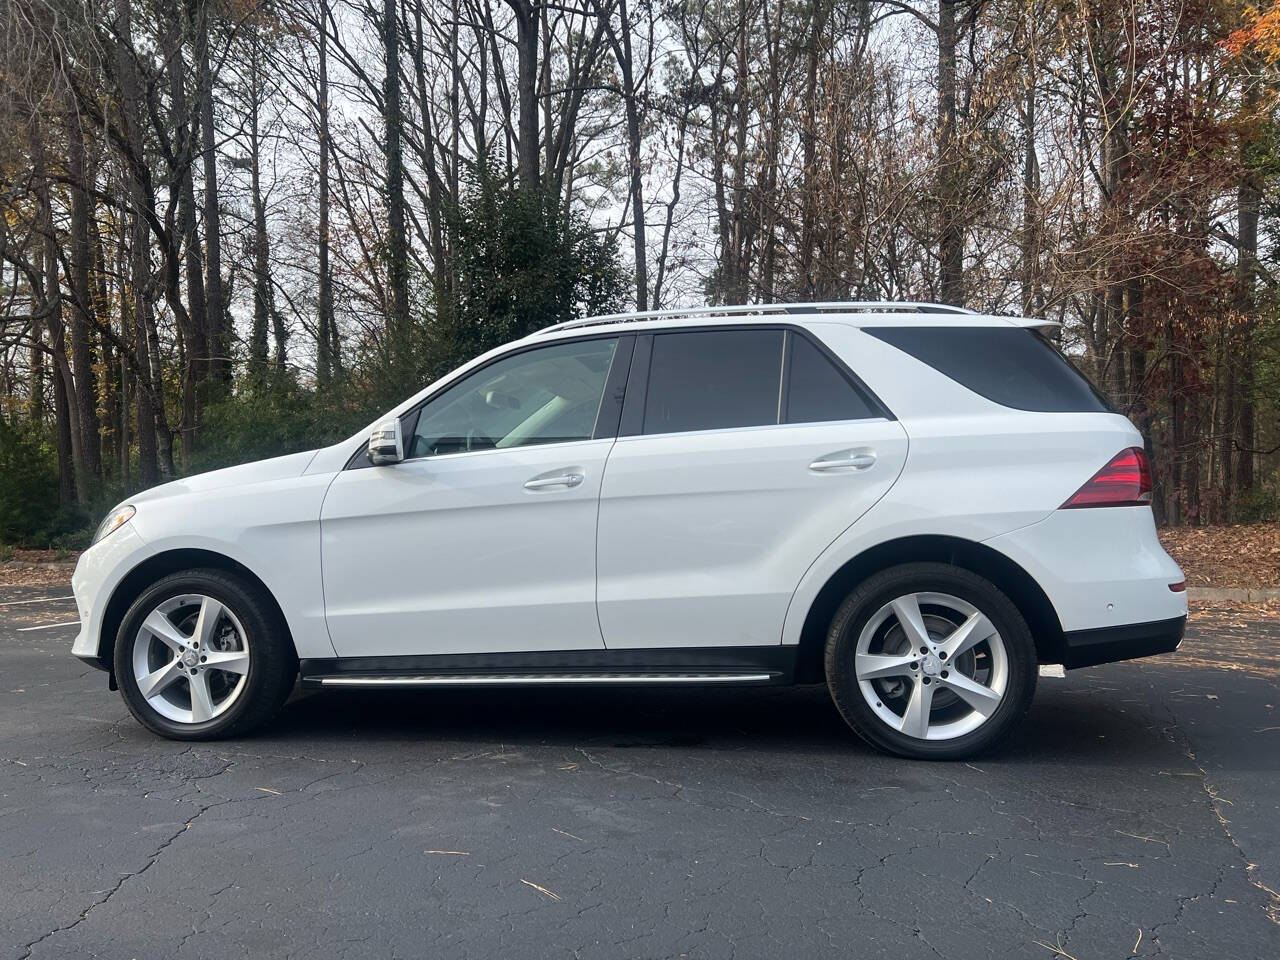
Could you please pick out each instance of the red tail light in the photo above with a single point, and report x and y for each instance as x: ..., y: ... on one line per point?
x: 1124, y: 482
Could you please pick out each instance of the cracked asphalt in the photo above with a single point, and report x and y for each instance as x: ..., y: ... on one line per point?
x: 1133, y: 815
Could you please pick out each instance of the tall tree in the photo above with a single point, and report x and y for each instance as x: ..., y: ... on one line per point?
x: 328, y: 356
x: 88, y: 447
x: 633, y: 91
x: 397, y: 238
x: 950, y: 227
x: 196, y: 329
x: 215, y: 307
x: 528, y: 18
x: 130, y: 121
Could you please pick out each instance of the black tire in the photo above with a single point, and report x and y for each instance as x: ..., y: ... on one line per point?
x: 273, y: 664
x: 882, y: 588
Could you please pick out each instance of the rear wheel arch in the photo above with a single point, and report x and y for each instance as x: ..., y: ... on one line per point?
x: 1005, y: 574
x: 161, y: 565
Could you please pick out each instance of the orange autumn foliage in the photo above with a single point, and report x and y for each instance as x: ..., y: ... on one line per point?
x: 1260, y: 36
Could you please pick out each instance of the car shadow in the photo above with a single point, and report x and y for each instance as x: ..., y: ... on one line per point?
x: 1083, y: 723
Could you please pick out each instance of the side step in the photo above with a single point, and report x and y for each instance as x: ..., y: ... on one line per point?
x: 534, y: 680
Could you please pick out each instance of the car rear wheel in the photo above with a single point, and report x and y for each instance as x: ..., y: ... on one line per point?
x: 931, y: 661
x: 202, y: 655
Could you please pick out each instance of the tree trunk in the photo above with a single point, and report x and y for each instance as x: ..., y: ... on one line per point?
x: 126, y: 320
x: 196, y: 329
x: 1249, y: 200
x: 441, y: 278
x: 148, y: 394
x: 263, y: 296
x: 950, y: 231
x: 1176, y: 495
x: 397, y: 240
x: 215, y: 310
x: 63, y: 409
x: 630, y: 98
x: 768, y: 200
x: 1030, y: 188
x: 327, y: 360
x: 44, y: 302
x: 809, y: 152
x: 89, y: 465
x: 102, y: 310
x: 526, y: 14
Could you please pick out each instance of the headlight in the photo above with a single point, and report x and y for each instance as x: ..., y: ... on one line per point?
x: 115, y: 520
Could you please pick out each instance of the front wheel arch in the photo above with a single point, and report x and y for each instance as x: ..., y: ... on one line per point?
x: 161, y: 565
x: 1007, y: 576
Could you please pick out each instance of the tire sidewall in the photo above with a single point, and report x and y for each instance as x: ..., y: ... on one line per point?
x: 874, y: 593
x: 247, y: 609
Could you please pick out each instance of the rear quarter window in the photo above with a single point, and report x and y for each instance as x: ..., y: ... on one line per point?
x: 1012, y: 366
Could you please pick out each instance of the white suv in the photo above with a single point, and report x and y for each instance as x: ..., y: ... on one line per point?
x: 914, y: 504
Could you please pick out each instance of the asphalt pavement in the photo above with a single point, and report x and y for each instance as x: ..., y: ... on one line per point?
x: 1135, y: 814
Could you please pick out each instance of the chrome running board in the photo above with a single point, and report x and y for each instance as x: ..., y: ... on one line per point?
x: 533, y: 680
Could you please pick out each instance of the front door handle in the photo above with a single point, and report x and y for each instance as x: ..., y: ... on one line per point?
x: 855, y: 461
x: 559, y: 480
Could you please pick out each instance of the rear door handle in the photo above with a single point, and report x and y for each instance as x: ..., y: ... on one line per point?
x: 559, y: 480
x: 856, y: 461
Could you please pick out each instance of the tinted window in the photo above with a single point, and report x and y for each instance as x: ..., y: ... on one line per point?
x: 549, y: 395
x: 817, y: 390
x: 713, y: 380
x: 1012, y: 366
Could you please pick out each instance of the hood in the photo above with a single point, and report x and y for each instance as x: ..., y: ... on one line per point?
x: 260, y: 471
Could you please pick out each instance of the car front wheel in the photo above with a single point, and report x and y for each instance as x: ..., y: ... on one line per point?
x: 931, y: 661
x: 202, y: 654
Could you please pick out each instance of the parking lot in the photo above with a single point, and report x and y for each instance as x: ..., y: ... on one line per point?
x: 1135, y: 814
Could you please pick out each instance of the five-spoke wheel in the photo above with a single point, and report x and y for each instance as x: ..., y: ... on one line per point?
x: 931, y: 665
x: 204, y: 654
x: 930, y: 660
x: 191, y: 658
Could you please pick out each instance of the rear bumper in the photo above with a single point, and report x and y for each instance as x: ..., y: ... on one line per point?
x: 1087, y: 648
x: 1101, y: 568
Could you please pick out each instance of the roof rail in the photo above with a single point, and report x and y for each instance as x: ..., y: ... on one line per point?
x: 762, y: 309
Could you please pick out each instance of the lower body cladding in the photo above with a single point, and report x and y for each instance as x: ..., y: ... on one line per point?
x: 702, y: 665
x: 715, y: 666
x: 1088, y: 648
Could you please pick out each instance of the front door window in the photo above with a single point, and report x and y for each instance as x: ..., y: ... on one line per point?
x: 548, y: 395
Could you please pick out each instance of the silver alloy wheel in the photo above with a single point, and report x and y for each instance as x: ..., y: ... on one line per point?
x: 191, y: 658
x: 931, y: 666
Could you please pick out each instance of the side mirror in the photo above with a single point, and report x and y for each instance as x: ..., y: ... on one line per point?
x: 386, y: 443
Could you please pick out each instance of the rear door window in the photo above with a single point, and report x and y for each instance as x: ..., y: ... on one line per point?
x: 713, y: 380
x: 1011, y: 366
x: 817, y: 390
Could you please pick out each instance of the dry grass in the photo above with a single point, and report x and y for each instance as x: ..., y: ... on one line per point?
x: 1241, y: 555
x: 16, y: 573
x: 35, y: 568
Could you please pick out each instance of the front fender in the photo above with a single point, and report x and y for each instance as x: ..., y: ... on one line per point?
x: 271, y: 529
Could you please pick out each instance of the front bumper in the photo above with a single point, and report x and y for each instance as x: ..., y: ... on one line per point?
x: 1087, y: 648
x: 99, y: 572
